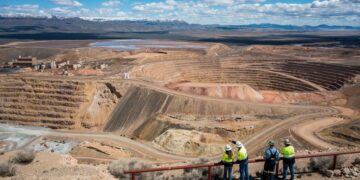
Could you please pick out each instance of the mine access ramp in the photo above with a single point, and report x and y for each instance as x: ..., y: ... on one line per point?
x: 257, y: 160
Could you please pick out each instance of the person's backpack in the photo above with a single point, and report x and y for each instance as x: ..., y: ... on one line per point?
x: 273, y: 155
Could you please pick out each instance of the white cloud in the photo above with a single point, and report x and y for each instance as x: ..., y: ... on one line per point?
x: 220, y: 2
x: 60, y: 11
x: 23, y: 10
x: 231, y: 2
x: 67, y: 3
x: 104, y: 11
x: 112, y: 3
x: 156, y: 6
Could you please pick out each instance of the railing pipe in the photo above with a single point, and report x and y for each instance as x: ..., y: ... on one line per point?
x: 334, y: 162
x: 210, y: 165
x: 209, y: 172
x: 133, y: 176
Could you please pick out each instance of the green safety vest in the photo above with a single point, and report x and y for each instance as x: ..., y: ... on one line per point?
x: 242, y: 154
x: 288, y: 151
x: 226, y: 158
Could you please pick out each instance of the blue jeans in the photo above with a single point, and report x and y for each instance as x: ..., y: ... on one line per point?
x: 268, y: 176
x: 228, y: 172
x: 291, y: 166
x: 244, y: 169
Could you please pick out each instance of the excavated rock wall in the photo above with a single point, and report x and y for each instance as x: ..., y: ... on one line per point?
x: 49, y: 103
x: 352, y: 94
x: 55, y: 103
x: 229, y: 91
x: 134, y: 109
x: 139, y: 105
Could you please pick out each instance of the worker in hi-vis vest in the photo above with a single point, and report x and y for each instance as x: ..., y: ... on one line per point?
x: 227, y: 159
x: 242, y: 159
x: 288, y: 153
x: 271, y: 156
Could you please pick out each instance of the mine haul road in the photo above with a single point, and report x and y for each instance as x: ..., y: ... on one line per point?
x: 307, y: 131
x: 257, y: 142
x: 139, y: 147
x: 254, y: 144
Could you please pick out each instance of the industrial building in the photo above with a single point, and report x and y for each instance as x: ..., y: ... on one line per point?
x: 25, y: 62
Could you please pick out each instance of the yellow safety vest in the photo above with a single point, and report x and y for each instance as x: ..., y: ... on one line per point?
x: 226, y: 158
x: 288, y: 151
x: 242, y: 154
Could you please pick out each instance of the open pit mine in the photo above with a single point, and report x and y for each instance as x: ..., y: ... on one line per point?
x: 80, y: 106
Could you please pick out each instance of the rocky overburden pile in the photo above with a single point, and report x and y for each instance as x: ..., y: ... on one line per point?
x: 347, y: 172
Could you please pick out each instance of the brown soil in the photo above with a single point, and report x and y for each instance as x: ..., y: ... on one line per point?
x: 309, y: 130
x: 230, y: 91
x: 52, y: 165
x: 352, y: 94
x: 186, y: 102
x: 323, y: 98
x: 105, y: 150
x: 344, y: 135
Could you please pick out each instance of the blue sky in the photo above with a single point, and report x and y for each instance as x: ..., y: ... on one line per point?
x: 297, y: 12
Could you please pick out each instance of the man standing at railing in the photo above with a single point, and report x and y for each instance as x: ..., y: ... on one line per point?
x: 288, y: 153
x: 227, y: 159
x: 242, y: 158
x: 271, y: 156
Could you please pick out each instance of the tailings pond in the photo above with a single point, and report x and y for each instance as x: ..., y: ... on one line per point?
x: 136, y: 44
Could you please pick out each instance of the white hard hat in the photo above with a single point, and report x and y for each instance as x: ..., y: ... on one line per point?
x: 287, y: 142
x: 239, y: 144
x: 227, y: 148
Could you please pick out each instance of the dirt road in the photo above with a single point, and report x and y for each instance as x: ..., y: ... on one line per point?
x: 254, y: 144
x: 136, y: 146
x: 308, y: 130
x: 139, y: 147
x: 258, y: 142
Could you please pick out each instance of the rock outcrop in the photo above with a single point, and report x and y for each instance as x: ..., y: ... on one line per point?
x: 229, y: 91
x: 190, y: 142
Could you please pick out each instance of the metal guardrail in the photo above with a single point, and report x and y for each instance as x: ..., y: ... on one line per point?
x: 257, y: 160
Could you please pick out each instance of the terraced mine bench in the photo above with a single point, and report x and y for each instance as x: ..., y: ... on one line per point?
x: 262, y: 74
x: 40, y: 102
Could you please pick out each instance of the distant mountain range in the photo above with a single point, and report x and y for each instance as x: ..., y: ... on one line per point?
x: 289, y: 27
x: 78, y: 25
x: 19, y: 25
